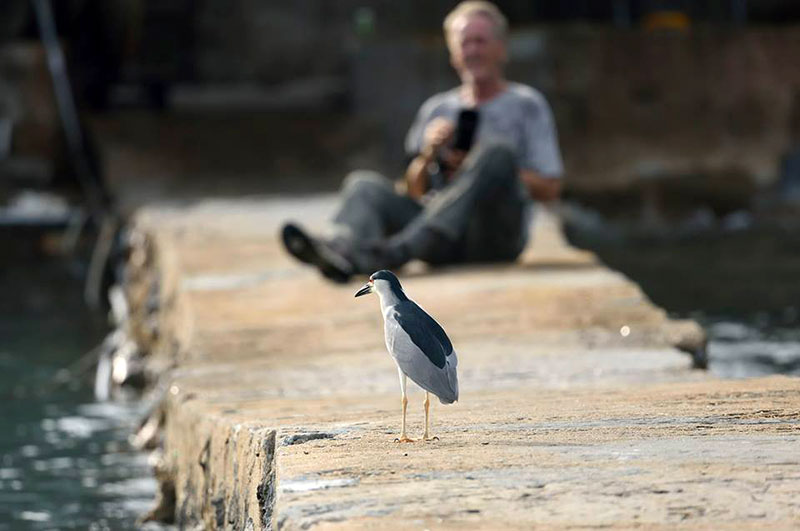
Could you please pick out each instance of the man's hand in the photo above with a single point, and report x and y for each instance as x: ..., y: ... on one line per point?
x: 452, y: 158
x: 436, y: 135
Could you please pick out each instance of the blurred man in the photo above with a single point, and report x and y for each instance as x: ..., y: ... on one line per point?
x: 466, y: 199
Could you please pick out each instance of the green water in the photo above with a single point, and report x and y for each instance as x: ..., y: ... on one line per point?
x: 65, y: 462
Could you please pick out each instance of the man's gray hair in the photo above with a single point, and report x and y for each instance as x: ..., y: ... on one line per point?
x: 477, y: 7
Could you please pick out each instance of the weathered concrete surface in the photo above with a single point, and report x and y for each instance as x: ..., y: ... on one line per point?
x: 283, y: 404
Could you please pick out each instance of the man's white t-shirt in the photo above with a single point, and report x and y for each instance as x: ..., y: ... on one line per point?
x: 519, y: 117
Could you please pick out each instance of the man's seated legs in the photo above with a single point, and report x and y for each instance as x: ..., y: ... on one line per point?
x: 479, y: 217
x: 497, y: 229
x: 369, y: 212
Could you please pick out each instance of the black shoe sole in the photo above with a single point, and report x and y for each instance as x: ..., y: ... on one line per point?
x: 310, y: 251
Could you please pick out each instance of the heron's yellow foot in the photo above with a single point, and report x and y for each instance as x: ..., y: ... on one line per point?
x: 429, y: 438
x: 404, y: 439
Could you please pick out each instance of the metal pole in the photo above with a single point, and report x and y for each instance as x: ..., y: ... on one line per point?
x: 89, y: 182
x: 66, y: 108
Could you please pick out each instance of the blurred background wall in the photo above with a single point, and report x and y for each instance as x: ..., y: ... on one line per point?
x: 679, y: 120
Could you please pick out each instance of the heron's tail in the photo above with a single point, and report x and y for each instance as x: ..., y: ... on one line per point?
x: 452, y: 380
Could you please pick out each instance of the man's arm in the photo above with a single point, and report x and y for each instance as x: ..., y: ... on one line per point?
x: 436, y: 134
x: 540, y: 151
x: 417, y: 174
x: 541, y: 188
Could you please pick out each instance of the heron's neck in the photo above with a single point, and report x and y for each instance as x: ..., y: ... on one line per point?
x: 391, y: 298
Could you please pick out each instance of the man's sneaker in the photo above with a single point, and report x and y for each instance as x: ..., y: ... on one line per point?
x: 316, y: 252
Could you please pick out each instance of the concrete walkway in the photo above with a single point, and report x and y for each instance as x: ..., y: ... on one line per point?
x: 576, y: 408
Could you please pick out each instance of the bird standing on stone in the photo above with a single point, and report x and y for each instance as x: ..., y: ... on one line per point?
x: 418, y: 344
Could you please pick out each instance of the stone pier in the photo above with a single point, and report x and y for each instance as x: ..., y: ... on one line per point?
x: 579, y: 405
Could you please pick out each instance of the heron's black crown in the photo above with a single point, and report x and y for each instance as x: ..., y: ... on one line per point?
x: 385, y: 274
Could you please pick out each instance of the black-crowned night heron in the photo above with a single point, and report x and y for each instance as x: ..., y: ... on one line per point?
x: 417, y: 343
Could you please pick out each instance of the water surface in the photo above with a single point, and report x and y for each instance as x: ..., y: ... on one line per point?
x: 65, y: 462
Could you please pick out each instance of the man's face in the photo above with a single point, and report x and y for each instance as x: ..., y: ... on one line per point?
x: 476, y: 52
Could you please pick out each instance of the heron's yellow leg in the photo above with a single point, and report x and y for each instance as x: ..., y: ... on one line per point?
x: 403, y: 437
x: 427, y: 404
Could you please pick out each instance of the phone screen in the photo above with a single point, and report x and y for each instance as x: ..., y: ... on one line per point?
x: 466, y: 125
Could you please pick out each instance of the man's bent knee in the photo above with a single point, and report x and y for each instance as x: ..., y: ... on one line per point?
x: 499, y: 157
x: 360, y: 180
x: 494, y: 163
x: 493, y: 166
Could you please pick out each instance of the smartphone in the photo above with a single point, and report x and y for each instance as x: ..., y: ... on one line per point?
x: 466, y: 125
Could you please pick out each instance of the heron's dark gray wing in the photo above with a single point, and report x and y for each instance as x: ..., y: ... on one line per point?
x: 424, y: 331
x: 422, y: 350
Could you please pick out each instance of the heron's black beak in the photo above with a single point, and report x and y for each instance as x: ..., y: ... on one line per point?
x: 366, y: 289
